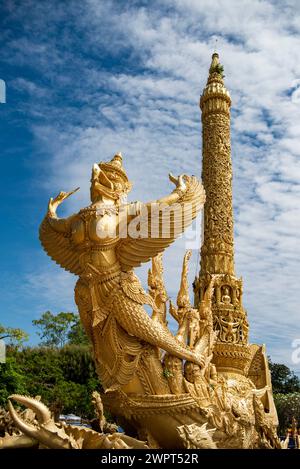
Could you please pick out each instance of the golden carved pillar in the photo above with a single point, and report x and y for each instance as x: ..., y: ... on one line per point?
x: 217, y: 249
x: 217, y: 252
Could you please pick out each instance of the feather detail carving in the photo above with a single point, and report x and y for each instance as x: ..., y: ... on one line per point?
x: 59, y: 247
x: 134, y: 319
x: 133, y: 289
x: 132, y: 252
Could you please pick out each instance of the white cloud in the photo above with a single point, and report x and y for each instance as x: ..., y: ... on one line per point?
x: 29, y: 87
x: 54, y: 286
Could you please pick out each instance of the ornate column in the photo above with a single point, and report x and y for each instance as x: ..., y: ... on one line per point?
x: 217, y: 253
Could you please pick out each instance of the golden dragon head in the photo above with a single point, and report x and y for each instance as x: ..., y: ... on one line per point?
x: 42, y: 429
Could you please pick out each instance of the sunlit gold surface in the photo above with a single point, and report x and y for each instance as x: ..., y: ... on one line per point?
x: 205, y: 386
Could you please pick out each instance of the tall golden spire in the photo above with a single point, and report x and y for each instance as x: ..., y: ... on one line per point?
x: 217, y: 251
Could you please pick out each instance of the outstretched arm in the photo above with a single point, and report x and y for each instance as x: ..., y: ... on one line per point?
x: 136, y: 208
x: 181, y: 190
x: 138, y: 324
x: 176, y: 194
x: 54, y: 236
x: 61, y: 225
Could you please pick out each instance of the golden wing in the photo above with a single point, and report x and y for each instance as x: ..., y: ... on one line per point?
x: 58, y: 246
x: 160, y: 225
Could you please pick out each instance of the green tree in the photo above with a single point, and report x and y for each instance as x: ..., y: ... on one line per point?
x: 284, y: 381
x: 64, y: 377
x: 288, y: 406
x: 15, y: 336
x: 54, y: 328
x: 12, y: 378
x: 77, y: 335
x: 61, y: 371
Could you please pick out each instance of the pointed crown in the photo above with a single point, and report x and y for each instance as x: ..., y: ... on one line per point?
x: 114, y: 168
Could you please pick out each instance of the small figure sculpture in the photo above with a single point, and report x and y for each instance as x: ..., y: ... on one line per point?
x: 157, y: 289
x: 196, y: 384
x: 226, y: 299
x: 173, y: 370
x: 205, y: 309
x: 186, y: 316
x: 229, y: 332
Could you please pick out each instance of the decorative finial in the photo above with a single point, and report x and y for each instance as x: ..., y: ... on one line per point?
x: 215, y: 66
x: 214, y: 62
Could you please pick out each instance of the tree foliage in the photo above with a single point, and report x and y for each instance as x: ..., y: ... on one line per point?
x: 64, y: 378
x: 55, y: 328
x: 12, y: 379
x: 15, y: 336
x: 288, y: 406
x: 61, y: 371
x: 77, y: 335
x: 284, y: 381
x: 286, y: 390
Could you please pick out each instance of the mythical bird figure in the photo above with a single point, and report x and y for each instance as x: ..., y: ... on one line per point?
x: 102, y: 244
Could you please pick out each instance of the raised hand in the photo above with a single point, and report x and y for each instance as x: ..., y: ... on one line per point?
x: 54, y: 203
x: 178, y: 181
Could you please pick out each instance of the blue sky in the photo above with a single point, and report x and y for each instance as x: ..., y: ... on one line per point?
x: 87, y: 79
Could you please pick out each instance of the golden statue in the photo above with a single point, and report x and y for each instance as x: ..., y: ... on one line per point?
x: 153, y: 379
x: 109, y: 296
x: 205, y: 386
